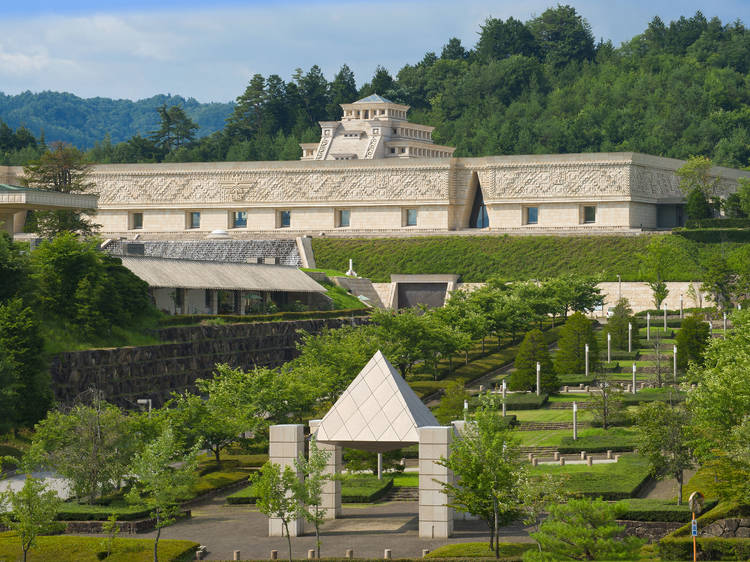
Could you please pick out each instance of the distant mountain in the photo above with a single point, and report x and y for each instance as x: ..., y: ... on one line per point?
x: 83, y: 122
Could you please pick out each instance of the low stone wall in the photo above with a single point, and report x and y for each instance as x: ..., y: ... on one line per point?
x: 732, y: 528
x: 650, y: 530
x: 126, y: 374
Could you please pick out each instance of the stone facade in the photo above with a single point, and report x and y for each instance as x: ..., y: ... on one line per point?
x: 586, y: 193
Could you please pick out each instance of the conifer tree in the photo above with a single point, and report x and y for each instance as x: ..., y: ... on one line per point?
x: 571, y: 356
x: 533, y: 349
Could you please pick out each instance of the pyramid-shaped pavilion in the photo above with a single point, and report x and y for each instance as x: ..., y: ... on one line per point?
x: 377, y: 412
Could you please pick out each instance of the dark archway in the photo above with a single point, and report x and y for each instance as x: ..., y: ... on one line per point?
x: 479, y: 217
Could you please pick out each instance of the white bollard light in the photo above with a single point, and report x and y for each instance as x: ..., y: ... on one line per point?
x: 630, y: 337
x: 633, y: 378
x: 575, y: 421
x: 648, y: 325
x: 609, y: 347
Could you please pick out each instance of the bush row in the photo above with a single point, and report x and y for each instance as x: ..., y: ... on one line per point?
x: 192, y: 319
x: 714, y: 548
x: 651, y: 510
x: 715, y: 235
x: 354, y: 496
x: 525, y: 401
x: 723, y: 222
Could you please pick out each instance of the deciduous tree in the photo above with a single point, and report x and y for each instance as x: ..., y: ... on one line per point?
x: 664, y: 438
x: 32, y: 511
x: 276, y: 497
x: 163, y: 474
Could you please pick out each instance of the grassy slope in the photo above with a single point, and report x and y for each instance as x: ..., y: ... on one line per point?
x: 476, y: 258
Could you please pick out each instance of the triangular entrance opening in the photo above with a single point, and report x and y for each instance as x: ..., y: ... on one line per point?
x: 479, y: 217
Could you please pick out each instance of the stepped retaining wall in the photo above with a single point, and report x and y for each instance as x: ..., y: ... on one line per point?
x: 126, y: 374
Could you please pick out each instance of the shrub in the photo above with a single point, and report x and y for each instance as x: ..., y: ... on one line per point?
x: 691, y: 341
x: 722, y: 222
x: 681, y: 548
x: 473, y: 550
x: 525, y: 401
x: 660, y: 510
x: 192, y: 319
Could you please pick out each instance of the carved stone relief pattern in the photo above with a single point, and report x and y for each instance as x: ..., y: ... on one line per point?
x: 270, y: 186
x: 554, y: 181
x: 323, y: 148
x: 655, y: 183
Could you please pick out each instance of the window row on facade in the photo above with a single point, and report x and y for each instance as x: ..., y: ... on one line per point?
x: 284, y: 219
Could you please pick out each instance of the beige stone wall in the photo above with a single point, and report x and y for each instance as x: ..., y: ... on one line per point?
x: 640, y: 295
x: 625, y: 187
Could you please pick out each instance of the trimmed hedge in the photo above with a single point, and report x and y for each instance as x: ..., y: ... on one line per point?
x: 715, y: 235
x: 81, y: 512
x: 193, y: 319
x: 525, y: 401
x: 709, y: 548
x: 723, y: 222
x: 659, y: 510
x: 652, y: 395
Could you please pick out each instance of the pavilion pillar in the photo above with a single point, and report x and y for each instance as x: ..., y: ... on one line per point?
x: 286, y: 445
x: 6, y: 223
x: 435, y: 517
x: 331, y: 489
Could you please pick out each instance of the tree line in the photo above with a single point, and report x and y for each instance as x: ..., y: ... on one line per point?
x: 540, y: 86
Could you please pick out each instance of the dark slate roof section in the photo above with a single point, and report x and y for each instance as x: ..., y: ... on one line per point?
x: 233, y: 251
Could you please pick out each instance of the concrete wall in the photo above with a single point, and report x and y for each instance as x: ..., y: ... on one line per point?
x: 128, y: 373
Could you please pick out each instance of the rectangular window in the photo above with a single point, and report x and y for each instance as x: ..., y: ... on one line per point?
x: 532, y: 215
x: 239, y: 219
x: 208, y: 302
x: 194, y: 219
x: 344, y: 217
x: 179, y: 297
x: 411, y: 217
x: 137, y: 221
x: 285, y: 219
x: 589, y: 214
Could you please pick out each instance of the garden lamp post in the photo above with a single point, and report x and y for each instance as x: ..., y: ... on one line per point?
x: 630, y: 337
x: 609, y: 347
x: 648, y: 326
x: 634, y: 378
x: 145, y: 402
x: 674, y: 362
x: 575, y: 421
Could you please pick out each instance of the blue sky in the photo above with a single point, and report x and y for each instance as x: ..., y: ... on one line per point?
x: 208, y: 50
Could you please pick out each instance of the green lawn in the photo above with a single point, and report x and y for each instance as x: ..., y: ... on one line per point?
x: 548, y: 415
x: 363, y: 488
x: 555, y: 437
x: 612, y: 481
x: 406, y: 479
x: 85, y: 549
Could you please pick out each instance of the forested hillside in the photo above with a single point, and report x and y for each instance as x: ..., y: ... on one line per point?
x: 83, y: 122
x: 540, y: 86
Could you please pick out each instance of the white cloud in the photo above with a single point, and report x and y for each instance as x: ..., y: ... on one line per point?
x: 210, y: 54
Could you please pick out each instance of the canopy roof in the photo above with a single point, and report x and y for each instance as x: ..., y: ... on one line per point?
x: 189, y: 274
x: 19, y: 197
x: 377, y: 412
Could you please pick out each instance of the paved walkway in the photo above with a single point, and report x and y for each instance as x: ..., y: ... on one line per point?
x: 53, y: 481
x: 368, y: 529
x: 666, y: 488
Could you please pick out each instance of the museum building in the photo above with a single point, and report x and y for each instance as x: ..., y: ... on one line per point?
x: 375, y: 173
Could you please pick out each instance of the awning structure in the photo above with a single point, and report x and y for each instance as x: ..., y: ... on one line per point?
x: 18, y: 197
x: 189, y: 274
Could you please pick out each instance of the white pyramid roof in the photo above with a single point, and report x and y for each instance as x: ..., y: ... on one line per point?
x: 377, y: 412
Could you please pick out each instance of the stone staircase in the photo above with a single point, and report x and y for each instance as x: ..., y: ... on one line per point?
x: 547, y: 426
x: 538, y: 451
x: 360, y: 287
x: 401, y: 494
